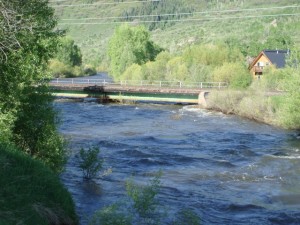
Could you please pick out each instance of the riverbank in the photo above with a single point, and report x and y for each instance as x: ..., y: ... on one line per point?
x: 31, y: 193
x: 257, y: 106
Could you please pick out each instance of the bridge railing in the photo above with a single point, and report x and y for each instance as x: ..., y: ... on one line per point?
x: 142, y: 83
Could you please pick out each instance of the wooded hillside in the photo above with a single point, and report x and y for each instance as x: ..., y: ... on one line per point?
x: 178, y: 23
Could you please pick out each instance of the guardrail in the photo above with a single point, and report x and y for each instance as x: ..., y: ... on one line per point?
x: 142, y: 83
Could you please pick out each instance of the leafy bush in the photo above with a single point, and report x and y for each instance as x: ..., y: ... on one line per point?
x: 35, y: 128
x: 272, y: 80
x: 142, y: 207
x: 133, y: 72
x: 76, y: 71
x: 6, y: 125
x: 225, y: 101
x: 111, y: 215
x: 68, y: 52
x: 89, y: 70
x: 282, y: 110
x: 60, y: 69
x: 187, y: 217
x: 258, y: 107
x: 250, y: 104
x: 143, y: 198
x: 176, y: 69
x: 89, y: 162
x: 234, y: 73
x: 288, y: 109
x: 197, y: 63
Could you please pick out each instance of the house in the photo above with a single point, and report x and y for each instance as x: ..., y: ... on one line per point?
x: 267, y: 58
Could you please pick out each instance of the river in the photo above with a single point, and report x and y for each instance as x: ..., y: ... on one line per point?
x: 226, y: 169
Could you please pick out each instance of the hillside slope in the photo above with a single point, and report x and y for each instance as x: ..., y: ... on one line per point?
x: 30, y: 193
x: 178, y: 23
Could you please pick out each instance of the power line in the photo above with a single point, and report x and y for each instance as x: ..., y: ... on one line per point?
x: 58, y: 1
x: 186, y: 20
x: 103, y: 3
x: 184, y: 14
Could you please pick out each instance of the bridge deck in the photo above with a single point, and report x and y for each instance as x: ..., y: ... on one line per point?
x: 128, y: 89
x: 177, y: 92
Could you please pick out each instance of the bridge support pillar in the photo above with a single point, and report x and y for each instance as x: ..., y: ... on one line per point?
x: 202, y: 98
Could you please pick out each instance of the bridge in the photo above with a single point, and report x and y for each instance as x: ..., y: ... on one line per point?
x: 154, y: 91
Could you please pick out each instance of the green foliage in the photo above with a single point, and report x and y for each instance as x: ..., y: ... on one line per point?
x: 211, y: 54
x: 225, y: 101
x: 289, y: 110
x: 133, y: 72
x: 59, y: 69
x: 256, y: 106
x: 187, y: 217
x: 241, y: 80
x: 164, y: 7
x: 156, y: 70
x: 272, y: 80
x: 130, y: 45
x: 282, y: 110
x: 250, y: 104
x: 68, y: 60
x: 235, y: 74
x: 68, y: 52
x: 153, y: 71
x: 89, y: 69
x: 176, y: 70
x: 6, y: 125
x: 286, y: 81
x: 31, y: 193
x: 143, y: 198
x: 278, y: 39
x: 26, y: 104
x: 110, y: 215
x: 195, y: 64
x: 35, y: 127
x: 90, y: 163
x: 249, y: 30
x: 142, y: 207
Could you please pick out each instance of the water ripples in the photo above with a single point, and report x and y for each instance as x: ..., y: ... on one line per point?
x: 230, y: 171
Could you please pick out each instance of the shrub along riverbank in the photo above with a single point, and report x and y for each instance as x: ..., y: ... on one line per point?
x: 31, y: 193
x: 274, y: 99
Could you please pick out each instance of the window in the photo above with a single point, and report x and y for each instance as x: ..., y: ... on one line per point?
x: 260, y: 64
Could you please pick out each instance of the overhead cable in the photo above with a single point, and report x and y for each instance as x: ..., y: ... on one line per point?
x: 185, y: 20
x: 103, y: 3
x: 183, y: 14
x: 58, y: 1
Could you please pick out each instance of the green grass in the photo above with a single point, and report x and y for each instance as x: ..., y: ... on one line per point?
x: 31, y: 193
x: 93, y: 39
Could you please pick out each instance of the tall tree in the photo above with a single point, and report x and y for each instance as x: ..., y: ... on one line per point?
x: 27, y: 42
x: 68, y: 52
x: 130, y: 45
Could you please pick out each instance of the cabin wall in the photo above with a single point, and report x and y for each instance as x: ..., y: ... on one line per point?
x: 261, y: 63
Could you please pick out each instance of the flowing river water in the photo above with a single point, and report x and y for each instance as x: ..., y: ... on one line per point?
x: 226, y: 169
